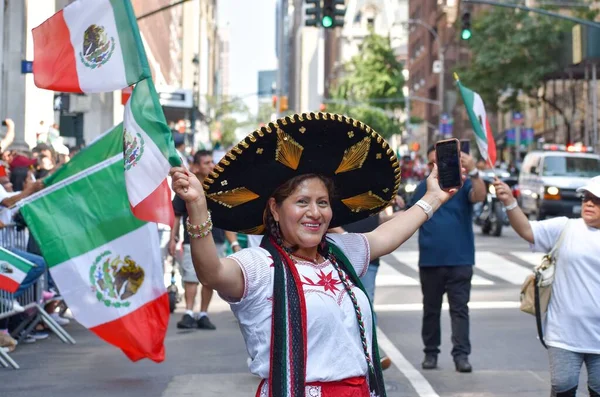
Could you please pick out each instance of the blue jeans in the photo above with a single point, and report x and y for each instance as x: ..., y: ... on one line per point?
x: 368, y: 281
x: 565, y: 367
x: 33, y: 274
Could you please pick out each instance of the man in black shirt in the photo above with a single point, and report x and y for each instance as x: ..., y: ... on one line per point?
x: 202, y: 165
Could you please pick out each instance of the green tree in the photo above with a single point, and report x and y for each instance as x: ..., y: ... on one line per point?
x: 226, y: 115
x: 513, y: 53
x: 371, y: 86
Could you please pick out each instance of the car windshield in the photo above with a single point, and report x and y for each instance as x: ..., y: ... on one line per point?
x: 571, y: 166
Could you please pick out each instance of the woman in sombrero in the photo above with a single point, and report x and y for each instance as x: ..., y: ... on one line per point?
x: 305, y: 318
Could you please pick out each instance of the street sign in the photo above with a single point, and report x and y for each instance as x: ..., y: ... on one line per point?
x: 517, y: 118
x: 446, y: 125
x: 26, y: 67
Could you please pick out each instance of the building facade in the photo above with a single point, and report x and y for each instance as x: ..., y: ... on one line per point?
x: 181, y: 44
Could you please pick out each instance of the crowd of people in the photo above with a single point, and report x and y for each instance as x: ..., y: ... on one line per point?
x: 303, y: 290
x: 21, y: 174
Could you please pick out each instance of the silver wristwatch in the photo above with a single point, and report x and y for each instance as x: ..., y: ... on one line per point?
x: 428, y: 209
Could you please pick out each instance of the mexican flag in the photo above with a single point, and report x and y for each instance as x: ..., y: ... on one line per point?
x: 13, y: 270
x: 480, y: 122
x: 106, y: 262
x: 149, y: 153
x: 89, y: 46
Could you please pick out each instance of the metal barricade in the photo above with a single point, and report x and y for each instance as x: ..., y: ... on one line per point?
x: 11, y: 236
x: 28, y: 300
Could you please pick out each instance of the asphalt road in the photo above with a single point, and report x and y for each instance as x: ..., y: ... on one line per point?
x: 507, y: 358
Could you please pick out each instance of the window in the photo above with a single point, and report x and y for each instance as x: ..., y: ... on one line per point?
x: 586, y: 167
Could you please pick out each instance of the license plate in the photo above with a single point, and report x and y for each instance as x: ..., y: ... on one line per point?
x: 577, y: 209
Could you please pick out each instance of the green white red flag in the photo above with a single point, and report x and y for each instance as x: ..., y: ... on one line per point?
x: 480, y: 122
x: 149, y: 153
x: 106, y: 262
x: 13, y: 270
x: 89, y: 46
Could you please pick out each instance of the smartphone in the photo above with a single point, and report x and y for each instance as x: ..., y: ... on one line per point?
x: 465, y: 146
x: 447, y: 153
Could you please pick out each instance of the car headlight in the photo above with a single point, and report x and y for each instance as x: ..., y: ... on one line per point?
x: 552, y: 190
x: 492, y: 189
x: 410, y: 188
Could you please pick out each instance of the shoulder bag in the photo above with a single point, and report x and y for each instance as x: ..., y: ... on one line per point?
x: 536, y: 290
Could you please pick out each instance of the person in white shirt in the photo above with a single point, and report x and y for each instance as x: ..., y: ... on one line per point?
x: 572, y: 323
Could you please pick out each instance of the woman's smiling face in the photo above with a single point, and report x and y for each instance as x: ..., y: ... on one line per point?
x: 304, y: 216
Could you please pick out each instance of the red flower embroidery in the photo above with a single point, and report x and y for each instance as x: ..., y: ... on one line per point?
x: 325, y: 280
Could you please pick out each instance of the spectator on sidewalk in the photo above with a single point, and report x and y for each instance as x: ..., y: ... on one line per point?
x: 446, y: 259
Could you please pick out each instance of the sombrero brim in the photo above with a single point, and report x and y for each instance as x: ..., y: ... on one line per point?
x: 364, y: 169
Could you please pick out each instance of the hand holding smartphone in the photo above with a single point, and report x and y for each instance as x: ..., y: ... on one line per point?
x: 447, y: 153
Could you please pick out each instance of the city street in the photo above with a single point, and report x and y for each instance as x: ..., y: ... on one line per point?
x: 507, y: 358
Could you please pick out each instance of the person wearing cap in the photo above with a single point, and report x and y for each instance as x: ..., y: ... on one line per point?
x: 572, y: 323
x: 302, y: 309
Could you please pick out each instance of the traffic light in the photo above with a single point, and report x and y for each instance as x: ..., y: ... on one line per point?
x: 313, y: 14
x: 283, y: 104
x: 465, y: 32
x: 333, y: 16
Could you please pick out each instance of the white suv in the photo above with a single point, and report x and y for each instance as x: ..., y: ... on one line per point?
x: 549, y: 179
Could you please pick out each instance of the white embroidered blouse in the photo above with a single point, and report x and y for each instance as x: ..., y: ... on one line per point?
x: 334, y: 346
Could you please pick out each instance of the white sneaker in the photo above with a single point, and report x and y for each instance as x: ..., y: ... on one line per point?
x: 60, y: 320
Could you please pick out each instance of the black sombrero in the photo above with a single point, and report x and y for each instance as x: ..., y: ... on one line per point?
x: 361, y: 164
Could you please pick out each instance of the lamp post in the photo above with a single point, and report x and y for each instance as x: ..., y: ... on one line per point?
x: 196, y: 63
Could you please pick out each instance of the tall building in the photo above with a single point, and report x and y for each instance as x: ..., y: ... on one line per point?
x: 224, y: 67
x: 181, y: 46
x: 433, y: 38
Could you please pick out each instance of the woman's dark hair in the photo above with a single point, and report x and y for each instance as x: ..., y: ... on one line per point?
x: 284, y: 191
x: 18, y: 175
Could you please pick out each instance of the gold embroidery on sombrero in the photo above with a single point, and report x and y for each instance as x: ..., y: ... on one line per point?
x: 350, y: 134
x: 355, y: 156
x: 255, y: 230
x: 233, y: 198
x: 288, y: 151
x: 302, y: 129
x: 364, y: 202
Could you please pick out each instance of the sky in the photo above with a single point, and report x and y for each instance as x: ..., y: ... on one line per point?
x: 251, y: 25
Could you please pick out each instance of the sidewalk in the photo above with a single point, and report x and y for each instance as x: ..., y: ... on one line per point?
x: 198, y: 363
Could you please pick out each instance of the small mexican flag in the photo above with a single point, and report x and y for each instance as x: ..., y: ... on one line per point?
x: 106, y: 262
x: 480, y: 122
x: 13, y: 270
x: 89, y: 46
x: 149, y: 153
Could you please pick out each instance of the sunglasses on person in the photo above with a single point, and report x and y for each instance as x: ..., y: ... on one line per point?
x: 590, y: 197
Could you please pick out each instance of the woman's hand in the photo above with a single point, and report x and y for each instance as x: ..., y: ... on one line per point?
x: 433, y: 185
x: 186, y: 185
x: 503, y: 192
